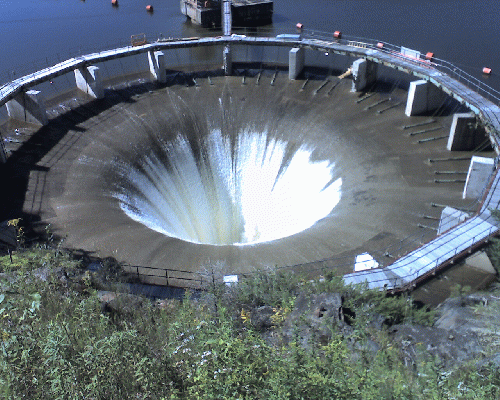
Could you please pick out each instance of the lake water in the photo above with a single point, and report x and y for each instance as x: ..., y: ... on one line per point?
x: 35, y: 33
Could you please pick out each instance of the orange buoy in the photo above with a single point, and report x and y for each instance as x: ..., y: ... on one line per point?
x: 299, y: 26
x: 149, y: 8
x: 380, y: 45
x: 114, y: 2
x: 429, y: 56
x: 487, y: 71
x: 337, y: 35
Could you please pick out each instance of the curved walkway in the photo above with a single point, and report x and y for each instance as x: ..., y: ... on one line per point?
x: 438, y: 253
x: 420, y: 263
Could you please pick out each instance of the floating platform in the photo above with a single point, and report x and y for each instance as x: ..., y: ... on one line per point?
x: 208, y: 14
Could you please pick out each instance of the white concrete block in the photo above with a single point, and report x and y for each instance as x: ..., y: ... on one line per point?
x: 417, y: 98
x: 28, y: 107
x: 358, y: 75
x: 364, y: 73
x: 407, y: 52
x: 157, y: 65
x: 88, y: 80
x: 480, y: 261
x: 296, y: 58
x: 423, y: 96
x: 462, y: 132
x: 364, y: 261
x: 450, y: 217
x: 228, y: 60
x: 480, y: 169
x: 230, y: 280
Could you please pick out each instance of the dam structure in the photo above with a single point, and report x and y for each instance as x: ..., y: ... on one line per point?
x: 260, y: 164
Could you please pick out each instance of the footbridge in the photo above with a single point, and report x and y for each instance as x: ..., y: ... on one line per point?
x: 484, y: 101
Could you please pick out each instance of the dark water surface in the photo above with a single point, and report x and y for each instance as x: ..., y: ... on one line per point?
x: 37, y: 32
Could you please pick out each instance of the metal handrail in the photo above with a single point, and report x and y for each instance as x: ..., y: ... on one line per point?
x: 444, y: 66
x: 166, y: 273
x: 411, y: 279
x: 352, y: 41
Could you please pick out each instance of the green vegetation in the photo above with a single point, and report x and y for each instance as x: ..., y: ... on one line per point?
x: 58, y: 342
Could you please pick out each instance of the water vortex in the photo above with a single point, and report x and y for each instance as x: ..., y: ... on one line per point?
x: 219, y: 191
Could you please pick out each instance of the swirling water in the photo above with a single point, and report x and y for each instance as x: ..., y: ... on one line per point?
x: 250, y: 190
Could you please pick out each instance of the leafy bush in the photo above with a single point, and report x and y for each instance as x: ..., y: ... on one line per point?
x: 57, y: 343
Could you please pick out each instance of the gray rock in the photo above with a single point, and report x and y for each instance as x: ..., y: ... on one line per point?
x: 122, y: 304
x: 469, y: 314
x: 450, y: 347
x: 314, y: 318
x: 492, y: 362
x: 261, y: 318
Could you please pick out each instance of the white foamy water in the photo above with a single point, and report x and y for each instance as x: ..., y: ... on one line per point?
x: 252, y: 191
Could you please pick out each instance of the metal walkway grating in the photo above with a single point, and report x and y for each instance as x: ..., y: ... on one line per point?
x: 437, y: 253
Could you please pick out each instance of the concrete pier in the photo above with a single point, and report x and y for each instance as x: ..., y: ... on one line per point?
x: 481, y: 262
x: 157, y: 66
x: 296, y: 58
x: 364, y: 74
x: 450, y: 217
x: 88, y: 80
x: 480, y: 170
x: 28, y: 107
x: 227, y: 60
x: 423, y: 96
x: 465, y: 133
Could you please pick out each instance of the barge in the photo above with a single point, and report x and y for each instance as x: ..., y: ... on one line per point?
x: 208, y: 13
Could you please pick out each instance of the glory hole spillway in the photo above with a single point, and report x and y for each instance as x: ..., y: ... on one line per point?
x: 208, y: 188
x: 242, y: 176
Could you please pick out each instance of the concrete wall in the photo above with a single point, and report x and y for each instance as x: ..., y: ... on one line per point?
x: 465, y: 133
x: 88, y: 80
x: 28, y: 107
x: 423, y: 97
x: 480, y: 169
x: 364, y: 74
x: 450, y: 217
x: 228, y: 60
x: 157, y: 65
x: 296, y: 58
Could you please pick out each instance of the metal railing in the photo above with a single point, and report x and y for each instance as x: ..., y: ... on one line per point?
x: 444, y: 66
x: 458, y: 74
x: 458, y: 250
x: 170, y: 276
x: 394, y: 50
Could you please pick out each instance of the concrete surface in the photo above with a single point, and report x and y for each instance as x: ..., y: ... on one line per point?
x: 464, y: 133
x: 450, y: 217
x: 89, y: 81
x: 387, y: 181
x: 157, y: 66
x: 295, y: 62
x: 480, y: 170
x: 423, y: 97
x: 28, y: 107
x: 364, y: 74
